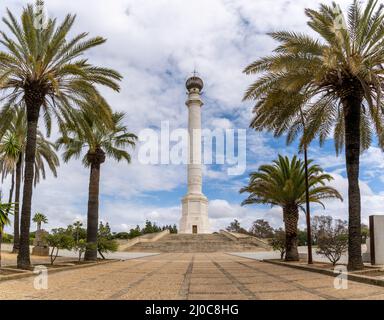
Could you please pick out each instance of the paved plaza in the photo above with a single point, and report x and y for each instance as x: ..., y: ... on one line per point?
x: 188, y: 276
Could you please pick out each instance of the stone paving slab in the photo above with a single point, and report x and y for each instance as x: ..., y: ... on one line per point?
x: 193, y: 276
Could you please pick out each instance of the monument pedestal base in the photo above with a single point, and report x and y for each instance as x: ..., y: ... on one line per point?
x: 40, y: 251
x: 194, y: 218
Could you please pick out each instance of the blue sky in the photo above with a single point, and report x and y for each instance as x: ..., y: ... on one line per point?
x: 156, y: 45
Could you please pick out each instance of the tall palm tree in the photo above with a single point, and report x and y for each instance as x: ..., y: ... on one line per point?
x: 337, y: 80
x: 46, y: 70
x: 100, y: 141
x: 15, y: 138
x: 39, y: 218
x: 5, y: 211
x: 283, y: 184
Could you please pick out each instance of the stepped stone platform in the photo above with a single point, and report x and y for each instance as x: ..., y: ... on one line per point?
x: 193, y: 243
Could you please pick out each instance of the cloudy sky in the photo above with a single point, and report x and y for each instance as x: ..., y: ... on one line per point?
x: 156, y: 44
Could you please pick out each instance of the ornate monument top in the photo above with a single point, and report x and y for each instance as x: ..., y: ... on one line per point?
x: 194, y: 82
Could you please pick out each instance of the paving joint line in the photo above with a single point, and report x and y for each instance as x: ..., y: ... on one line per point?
x: 185, y: 287
x: 137, y: 282
x: 292, y: 282
x: 87, y: 280
x: 243, y: 289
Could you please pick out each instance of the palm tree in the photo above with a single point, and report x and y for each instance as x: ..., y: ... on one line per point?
x: 283, y: 184
x: 337, y: 81
x: 39, y: 218
x: 15, y: 138
x: 100, y: 141
x: 9, y: 154
x: 5, y: 211
x: 44, y: 69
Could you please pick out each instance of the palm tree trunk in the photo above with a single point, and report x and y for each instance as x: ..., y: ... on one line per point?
x: 93, y: 212
x: 9, y: 201
x: 12, y: 187
x: 16, y: 224
x: 291, y: 218
x: 11, y: 190
x: 1, y: 240
x: 352, y: 119
x: 33, y: 103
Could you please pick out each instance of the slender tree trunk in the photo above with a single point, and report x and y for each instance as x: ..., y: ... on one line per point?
x: 291, y: 218
x: 16, y: 224
x: 101, y: 255
x: 352, y: 119
x: 93, y: 205
x: 33, y: 103
x: 308, y: 209
x: 11, y: 189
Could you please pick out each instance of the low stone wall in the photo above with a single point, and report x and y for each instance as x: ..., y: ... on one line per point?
x: 245, y: 238
x: 143, y: 238
x: 357, y: 276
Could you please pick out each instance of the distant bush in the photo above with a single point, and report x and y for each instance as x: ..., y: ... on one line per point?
x: 236, y: 227
x: 122, y: 236
x: 150, y: 227
x: 7, y: 238
x: 261, y: 229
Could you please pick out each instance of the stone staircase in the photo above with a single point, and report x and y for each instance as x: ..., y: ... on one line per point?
x: 186, y: 243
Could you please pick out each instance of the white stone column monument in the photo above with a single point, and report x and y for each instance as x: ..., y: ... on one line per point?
x: 194, y: 218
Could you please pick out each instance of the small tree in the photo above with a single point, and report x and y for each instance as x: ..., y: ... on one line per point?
x: 278, y: 242
x: 60, y: 239
x: 106, y: 246
x: 302, y: 237
x: 319, y: 225
x: 105, y: 242
x: 80, y: 247
x: 134, y: 233
x: 364, y: 233
x: 261, y: 229
x: 78, y: 231
x: 333, y: 241
x: 151, y: 227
